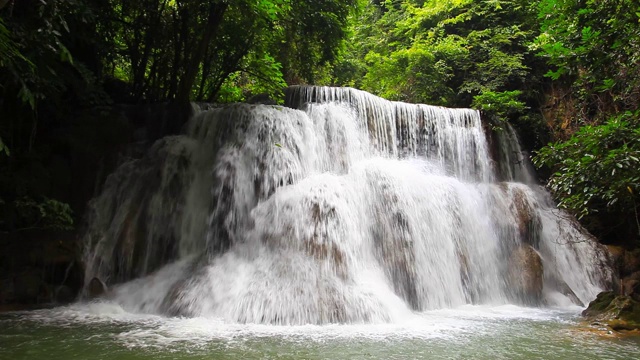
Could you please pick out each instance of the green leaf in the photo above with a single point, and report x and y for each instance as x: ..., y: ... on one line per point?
x: 4, y: 148
x: 65, y: 55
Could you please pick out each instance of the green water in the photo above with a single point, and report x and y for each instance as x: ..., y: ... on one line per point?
x: 103, y: 331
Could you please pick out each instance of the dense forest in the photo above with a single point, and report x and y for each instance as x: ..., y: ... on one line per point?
x: 565, y: 73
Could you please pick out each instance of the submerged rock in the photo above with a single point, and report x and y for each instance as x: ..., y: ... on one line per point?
x: 619, y: 312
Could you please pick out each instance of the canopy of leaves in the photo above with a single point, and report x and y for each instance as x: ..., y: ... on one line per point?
x: 448, y: 51
x: 457, y: 53
x: 198, y: 50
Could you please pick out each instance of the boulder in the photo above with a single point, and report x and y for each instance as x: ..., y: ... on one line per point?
x: 562, y: 287
x: 527, y: 218
x: 526, y: 274
x: 619, y: 312
x: 96, y: 288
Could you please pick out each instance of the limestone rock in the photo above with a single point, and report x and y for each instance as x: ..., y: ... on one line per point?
x: 619, y: 312
x: 526, y: 274
x: 617, y: 255
x: 96, y: 288
x: 527, y: 218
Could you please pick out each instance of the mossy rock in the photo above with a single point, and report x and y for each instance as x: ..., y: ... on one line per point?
x: 619, y: 312
x: 600, y: 304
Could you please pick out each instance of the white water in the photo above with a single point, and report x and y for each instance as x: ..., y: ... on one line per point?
x: 352, y: 210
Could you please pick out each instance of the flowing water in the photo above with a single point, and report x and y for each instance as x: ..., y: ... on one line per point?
x: 340, y: 226
x: 103, y: 331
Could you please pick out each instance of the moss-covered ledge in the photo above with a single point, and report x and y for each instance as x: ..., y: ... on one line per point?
x: 618, y: 312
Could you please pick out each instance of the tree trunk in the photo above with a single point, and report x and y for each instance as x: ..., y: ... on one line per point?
x: 214, y: 20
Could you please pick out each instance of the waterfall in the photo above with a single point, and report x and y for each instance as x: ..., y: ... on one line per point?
x: 340, y: 207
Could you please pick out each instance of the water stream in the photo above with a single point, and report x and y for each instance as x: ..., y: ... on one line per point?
x: 105, y: 331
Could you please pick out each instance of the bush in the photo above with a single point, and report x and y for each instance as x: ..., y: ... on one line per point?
x: 598, y: 168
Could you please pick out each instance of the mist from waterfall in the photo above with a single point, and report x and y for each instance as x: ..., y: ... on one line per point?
x: 340, y: 207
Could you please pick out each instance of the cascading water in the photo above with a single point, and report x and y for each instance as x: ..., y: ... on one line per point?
x: 341, y: 207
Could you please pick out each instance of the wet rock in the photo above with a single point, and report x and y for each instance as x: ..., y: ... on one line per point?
x: 394, y: 243
x: 64, y: 294
x: 96, y: 288
x: 466, y: 276
x: 630, y: 286
x: 33, y: 263
x: 617, y: 256
x: 528, y: 220
x: 631, y: 262
x: 319, y: 244
x: 619, y: 312
x: 263, y: 99
x: 565, y: 290
x: 526, y: 274
x: 599, y: 305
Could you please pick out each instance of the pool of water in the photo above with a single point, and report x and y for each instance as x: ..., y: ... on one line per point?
x: 106, y: 331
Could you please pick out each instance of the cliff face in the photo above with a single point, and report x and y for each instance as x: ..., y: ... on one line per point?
x: 38, y: 268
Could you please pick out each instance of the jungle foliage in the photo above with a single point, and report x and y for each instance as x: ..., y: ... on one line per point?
x: 458, y: 53
x: 593, y: 49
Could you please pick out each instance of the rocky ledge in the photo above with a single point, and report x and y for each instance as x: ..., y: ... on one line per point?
x: 618, y: 312
x: 39, y: 269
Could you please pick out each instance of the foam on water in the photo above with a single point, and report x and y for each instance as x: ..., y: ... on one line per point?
x: 156, y: 331
x: 105, y: 331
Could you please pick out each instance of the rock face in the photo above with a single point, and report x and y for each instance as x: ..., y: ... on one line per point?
x: 619, y: 312
x: 528, y: 219
x: 627, y: 265
x: 39, y: 268
x: 526, y: 274
x: 626, y: 262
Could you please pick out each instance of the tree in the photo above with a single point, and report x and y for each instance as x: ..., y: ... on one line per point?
x: 448, y: 52
x: 192, y: 50
x: 458, y: 53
